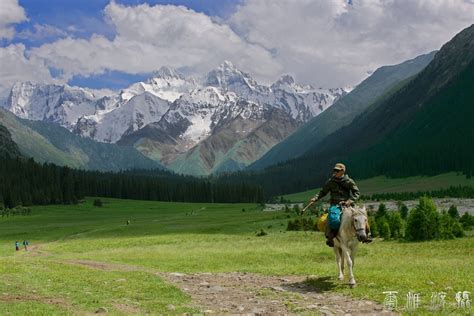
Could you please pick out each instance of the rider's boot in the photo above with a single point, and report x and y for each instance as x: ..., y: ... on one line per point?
x: 330, y: 236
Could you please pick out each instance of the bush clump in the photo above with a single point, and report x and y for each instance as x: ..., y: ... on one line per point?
x: 261, y: 233
x: 301, y: 224
x: 423, y: 221
x: 16, y: 211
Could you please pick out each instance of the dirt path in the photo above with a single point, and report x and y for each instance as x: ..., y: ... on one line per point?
x: 4, y: 297
x: 249, y: 293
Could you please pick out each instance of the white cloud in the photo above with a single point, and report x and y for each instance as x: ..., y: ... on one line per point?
x: 327, y: 42
x: 149, y: 37
x: 334, y: 43
x: 15, y: 66
x: 41, y: 31
x: 10, y: 13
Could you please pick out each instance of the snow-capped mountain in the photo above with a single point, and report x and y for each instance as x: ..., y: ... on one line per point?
x: 169, y: 114
x: 109, y: 125
x: 166, y: 83
x: 301, y: 102
x: 48, y: 102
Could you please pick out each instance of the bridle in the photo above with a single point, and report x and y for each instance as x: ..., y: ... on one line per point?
x: 353, y: 210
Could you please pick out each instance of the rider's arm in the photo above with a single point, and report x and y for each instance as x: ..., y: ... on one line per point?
x: 324, y: 191
x: 355, y: 191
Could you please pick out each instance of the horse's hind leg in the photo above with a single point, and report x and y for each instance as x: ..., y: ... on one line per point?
x: 339, y: 262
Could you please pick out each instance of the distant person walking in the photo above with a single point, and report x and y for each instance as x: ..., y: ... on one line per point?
x: 17, y: 245
x: 25, y: 244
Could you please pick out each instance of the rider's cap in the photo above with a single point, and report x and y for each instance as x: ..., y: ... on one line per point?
x: 339, y: 167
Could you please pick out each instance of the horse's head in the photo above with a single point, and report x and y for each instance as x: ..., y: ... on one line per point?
x: 359, y: 222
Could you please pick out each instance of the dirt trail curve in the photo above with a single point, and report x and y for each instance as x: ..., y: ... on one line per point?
x: 254, y: 294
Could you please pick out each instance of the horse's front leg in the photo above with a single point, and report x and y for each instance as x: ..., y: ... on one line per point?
x: 339, y: 262
x: 347, y: 255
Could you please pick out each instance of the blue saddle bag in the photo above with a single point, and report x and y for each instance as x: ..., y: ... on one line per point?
x: 334, y: 217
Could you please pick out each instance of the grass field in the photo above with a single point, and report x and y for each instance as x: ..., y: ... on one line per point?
x: 383, y: 184
x: 187, y: 238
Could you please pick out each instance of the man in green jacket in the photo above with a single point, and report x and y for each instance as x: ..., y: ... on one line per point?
x: 344, y: 192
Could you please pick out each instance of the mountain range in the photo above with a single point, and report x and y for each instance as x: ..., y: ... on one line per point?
x: 222, y: 122
x: 227, y: 121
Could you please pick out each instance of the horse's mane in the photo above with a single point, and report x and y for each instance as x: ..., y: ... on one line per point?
x: 356, y: 210
x: 360, y: 210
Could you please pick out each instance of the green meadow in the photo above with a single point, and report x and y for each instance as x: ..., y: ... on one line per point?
x: 382, y: 184
x: 188, y: 238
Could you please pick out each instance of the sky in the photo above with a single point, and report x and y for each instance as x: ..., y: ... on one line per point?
x: 109, y: 44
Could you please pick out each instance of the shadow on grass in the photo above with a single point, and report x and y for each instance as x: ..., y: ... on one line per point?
x: 315, y: 284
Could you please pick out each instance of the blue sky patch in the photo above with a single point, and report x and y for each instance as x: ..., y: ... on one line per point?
x: 114, y: 80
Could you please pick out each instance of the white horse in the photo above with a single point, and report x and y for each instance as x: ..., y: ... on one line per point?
x: 351, y: 232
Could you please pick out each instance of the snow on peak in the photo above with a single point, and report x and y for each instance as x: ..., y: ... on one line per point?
x: 167, y: 83
x: 228, y: 66
x: 229, y: 77
x: 50, y: 102
x: 208, y: 95
x: 169, y: 96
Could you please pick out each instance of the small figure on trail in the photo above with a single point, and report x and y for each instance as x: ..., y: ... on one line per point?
x: 344, y: 192
x: 25, y: 244
x: 17, y: 245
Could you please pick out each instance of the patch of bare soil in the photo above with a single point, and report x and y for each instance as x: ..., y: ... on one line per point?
x: 248, y: 293
x: 35, y: 250
x: 10, y: 298
x: 108, y: 266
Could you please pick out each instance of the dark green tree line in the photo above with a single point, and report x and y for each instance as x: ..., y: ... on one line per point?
x: 25, y: 182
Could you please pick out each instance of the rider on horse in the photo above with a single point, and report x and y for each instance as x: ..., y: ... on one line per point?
x: 344, y: 192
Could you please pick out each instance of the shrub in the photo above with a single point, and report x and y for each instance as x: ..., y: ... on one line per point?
x: 396, y: 225
x: 458, y: 229
x: 301, y: 224
x: 403, y: 209
x: 453, y: 212
x: 381, y: 211
x: 97, y: 203
x: 293, y: 225
x: 296, y: 209
x: 423, y: 221
x: 261, y: 233
x: 16, y: 211
x: 445, y: 226
x: 467, y: 220
x: 384, y: 228
x: 450, y: 227
x: 373, y: 226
